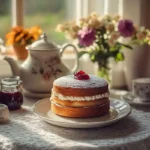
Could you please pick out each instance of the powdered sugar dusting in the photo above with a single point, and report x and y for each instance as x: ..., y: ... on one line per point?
x: 69, y: 81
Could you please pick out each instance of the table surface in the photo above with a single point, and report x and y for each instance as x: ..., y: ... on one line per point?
x: 25, y: 131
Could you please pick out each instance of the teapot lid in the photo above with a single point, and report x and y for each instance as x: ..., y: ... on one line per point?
x: 42, y: 44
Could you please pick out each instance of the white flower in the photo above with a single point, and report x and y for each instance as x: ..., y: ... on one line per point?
x: 60, y: 28
x: 111, y: 42
x: 110, y: 27
x: 115, y: 35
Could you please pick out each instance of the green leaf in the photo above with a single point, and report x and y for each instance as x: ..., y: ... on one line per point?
x: 93, y: 58
x: 119, y: 57
x: 127, y: 46
x: 82, y: 53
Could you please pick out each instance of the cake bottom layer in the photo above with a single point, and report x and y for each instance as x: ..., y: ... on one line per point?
x: 80, y: 112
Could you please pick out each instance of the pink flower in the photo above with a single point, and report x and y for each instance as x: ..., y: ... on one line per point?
x: 86, y: 36
x: 126, y: 28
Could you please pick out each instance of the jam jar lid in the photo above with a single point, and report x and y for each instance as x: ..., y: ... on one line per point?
x: 43, y: 44
x: 15, y: 80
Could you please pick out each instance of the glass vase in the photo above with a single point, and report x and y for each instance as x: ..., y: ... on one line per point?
x: 104, y: 72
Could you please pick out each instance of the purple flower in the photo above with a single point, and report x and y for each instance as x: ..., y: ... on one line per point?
x: 126, y: 28
x: 86, y: 36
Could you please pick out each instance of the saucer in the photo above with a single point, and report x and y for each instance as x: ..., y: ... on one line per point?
x: 118, y: 110
x: 114, y: 93
x: 133, y: 100
x: 35, y: 95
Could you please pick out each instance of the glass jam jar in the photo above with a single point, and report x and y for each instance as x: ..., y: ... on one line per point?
x: 11, y: 92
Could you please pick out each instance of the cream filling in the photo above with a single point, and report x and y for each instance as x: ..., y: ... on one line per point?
x: 78, y: 107
x: 77, y: 98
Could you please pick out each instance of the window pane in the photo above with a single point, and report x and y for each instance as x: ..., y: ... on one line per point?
x: 5, y: 17
x: 106, y: 6
x: 113, y: 7
x: 97, y: 6
x: 47, y: 14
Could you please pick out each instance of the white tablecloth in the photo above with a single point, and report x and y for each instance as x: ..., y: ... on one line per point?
x: 26, y: 131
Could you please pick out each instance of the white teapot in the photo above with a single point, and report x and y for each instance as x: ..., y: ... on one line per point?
x: 42, y: 66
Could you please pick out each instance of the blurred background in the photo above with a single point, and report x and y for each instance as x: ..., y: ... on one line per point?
x: 48, y: 13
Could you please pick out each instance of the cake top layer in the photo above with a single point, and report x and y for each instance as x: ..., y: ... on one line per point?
x: 69, y: 81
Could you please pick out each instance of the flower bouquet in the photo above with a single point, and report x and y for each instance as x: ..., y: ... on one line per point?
x: 19, y: 37
x: 102, y: 38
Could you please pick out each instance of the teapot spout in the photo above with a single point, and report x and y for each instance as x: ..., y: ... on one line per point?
x: 14, y: 66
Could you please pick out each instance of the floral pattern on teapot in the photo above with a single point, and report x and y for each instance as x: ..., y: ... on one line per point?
x: 48, y: 68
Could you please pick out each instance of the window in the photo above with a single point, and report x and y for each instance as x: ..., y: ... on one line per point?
x: 5, y: 17
x: 47, y: 15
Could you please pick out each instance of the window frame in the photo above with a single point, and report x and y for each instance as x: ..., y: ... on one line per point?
x: 18, y: 9
x: 17, y: 12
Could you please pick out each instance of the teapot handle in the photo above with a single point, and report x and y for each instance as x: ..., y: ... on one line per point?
x: 77, y: 58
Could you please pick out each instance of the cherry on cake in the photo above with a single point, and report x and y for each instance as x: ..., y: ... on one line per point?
x: 80, y: 96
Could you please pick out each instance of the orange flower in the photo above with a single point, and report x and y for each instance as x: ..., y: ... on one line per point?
x: 10, y: 41
x: 20, y: 35
x: 10, y: 34
x: 18, y: 29
x: 35, y: 32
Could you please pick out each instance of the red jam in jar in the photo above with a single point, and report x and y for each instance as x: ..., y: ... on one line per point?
x: 11, y: 94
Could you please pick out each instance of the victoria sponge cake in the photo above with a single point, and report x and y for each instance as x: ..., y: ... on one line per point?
x: 80, y: 96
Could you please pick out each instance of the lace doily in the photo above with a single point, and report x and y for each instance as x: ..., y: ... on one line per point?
x: 26, y: 131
